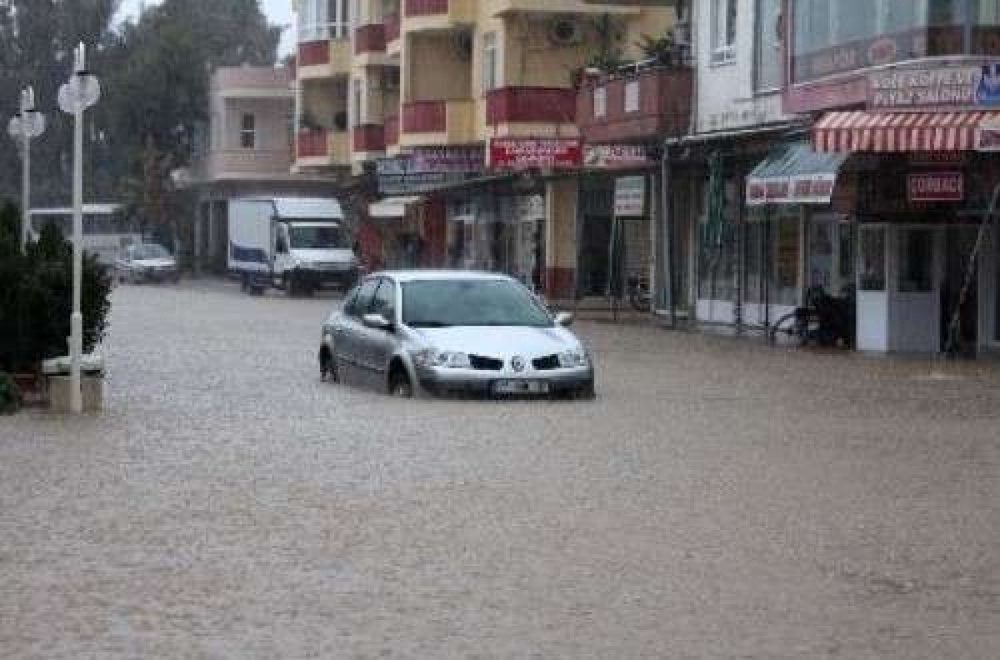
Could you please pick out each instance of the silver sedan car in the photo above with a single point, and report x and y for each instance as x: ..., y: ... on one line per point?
x: 453, y: 332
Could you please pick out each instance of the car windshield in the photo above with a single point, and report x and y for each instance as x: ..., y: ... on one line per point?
x: 150, y: 252
x: 470, y: 302
x: 316, y: 237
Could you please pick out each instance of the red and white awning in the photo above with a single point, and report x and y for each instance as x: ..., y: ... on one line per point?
x: 899, y: 131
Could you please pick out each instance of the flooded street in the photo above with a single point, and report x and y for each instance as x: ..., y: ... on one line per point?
x: 719, y: 499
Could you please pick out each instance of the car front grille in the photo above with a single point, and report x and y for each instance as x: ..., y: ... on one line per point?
x: 547, y: 363
x: 485, y: 363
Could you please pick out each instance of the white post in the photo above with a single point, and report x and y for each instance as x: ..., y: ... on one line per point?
x: 27, y: 125
x: 25, y: 185
x: 81, y: 92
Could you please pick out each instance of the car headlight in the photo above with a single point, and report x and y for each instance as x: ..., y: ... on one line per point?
x: 430, y: 357
x: 573, y: 359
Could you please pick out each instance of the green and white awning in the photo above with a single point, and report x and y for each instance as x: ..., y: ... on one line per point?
x: 794, y: 174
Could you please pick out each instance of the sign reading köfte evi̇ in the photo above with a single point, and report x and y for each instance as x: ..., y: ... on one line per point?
x: 936, y: 187
x: 545, y: 153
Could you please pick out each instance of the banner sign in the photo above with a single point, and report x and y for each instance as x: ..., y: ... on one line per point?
x: 806, y: 189
x: 545, y: 153
x: 612, y: 156
x: 630, y: 196
x: 936, y: 187
x: 427, y: 169
x: 944, y: 87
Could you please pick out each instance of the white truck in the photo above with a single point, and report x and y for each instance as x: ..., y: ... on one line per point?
x: 295, y: 244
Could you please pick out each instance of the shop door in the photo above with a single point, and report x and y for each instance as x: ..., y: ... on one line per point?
x: 594, y: 255
x: 959, y: 243
x: 873, y: 297
x: 915, y: 300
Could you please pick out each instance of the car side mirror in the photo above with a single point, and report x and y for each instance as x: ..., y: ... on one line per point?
x: 565, y: 318
x: 376, y: 321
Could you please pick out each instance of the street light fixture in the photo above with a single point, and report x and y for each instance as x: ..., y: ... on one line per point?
x: 81, y: 92
x: 27, y: 125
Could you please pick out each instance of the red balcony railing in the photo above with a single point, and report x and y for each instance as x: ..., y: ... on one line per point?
x: 660, y: 103
x: 312, y: 53
x: 313, y: 143
x: 369, y: 39
x: 369, y: 137
x: 425, y: 117
x: 391, y: 131
x: 531, y: 104
x: 425, y: 7
x: 391, y: 23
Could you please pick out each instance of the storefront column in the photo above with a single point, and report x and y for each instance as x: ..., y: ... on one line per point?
x: 560, y: 237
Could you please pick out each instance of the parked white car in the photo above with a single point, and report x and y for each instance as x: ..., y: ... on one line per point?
x: 146, y: 262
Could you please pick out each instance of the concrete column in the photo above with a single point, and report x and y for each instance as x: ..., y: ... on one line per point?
x: 213, y: 238
x: 560, y: 237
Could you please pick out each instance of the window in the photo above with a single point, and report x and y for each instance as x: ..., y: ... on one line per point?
x: 872, y: 259
x: 384, y: 302
x: 767, y: 45
x: 248, y: 131
x: 600, y: 101
x: 916, y: 261
x: 363, y: 302
x: 356, y: 100
x: 723, y: 31
x: 632, y: 96
x: 489, y: 71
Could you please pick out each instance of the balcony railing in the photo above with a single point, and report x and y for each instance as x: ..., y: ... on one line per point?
x: 640, y: 105
x: 391, y: 23
x: 425, y: 117
x: 369, y: 39
x: 314, y: 53
x: 369, y: 137
x: 313, y: 143
x: 531, y: 105
x: 391, y: 131
x: 425, y: 7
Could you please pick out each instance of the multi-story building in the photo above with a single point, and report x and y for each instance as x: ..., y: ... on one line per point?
x: 245, y: 149
x: 905, y: 94
x: 463, y: 117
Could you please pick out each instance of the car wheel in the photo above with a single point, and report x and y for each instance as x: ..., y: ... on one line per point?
x: 400, y: 385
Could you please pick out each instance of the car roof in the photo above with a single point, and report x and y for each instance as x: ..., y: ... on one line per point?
x: 418, y: 275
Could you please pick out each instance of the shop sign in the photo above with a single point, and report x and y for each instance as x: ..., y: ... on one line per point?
x: 612, y: 156
x: 943, y: 87
x: 988, y: 136
x: 546, y: 153
x: 427, y: 169
x: 936, y: 187
x: 936, y: 158
x: 630, y: 196
x: 448, y: 159
x: 815, y: 189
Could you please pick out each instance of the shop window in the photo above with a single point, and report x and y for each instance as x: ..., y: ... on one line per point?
x: 785, y: 275
x: 916, y: 261
x: 847, y: 233
x: 821, y: 238
x: 873, y: 262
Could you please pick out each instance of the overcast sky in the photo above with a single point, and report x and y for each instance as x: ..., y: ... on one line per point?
x: 279, y: 12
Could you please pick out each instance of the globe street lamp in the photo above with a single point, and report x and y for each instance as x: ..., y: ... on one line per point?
x: 27, y: 125
x: 81, y: 92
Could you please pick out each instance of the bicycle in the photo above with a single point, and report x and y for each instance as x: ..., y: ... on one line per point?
x: 824, y: 319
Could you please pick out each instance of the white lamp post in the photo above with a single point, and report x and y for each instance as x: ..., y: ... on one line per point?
x: 81, y: 92
x: 26, y: 126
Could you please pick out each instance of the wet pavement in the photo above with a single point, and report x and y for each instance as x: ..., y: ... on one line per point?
x: 719, y: 499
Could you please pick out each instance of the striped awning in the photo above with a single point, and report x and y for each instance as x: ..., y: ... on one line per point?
x: 899, y: 131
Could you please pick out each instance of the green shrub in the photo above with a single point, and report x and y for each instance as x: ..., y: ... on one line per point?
x: 36, y: 296
x: 10, y: 395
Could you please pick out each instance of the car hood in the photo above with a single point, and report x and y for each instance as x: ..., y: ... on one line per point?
x: 162, y: 262
x: 500, y: 341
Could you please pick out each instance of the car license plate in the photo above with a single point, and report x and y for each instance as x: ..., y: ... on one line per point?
x: 520, y: 387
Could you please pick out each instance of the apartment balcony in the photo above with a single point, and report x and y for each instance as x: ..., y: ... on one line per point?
x: 532, y: 111
x: 392, y: 33
x: 437, y: 15
x: 329, y: 58
x: 369, y: 139
x: 242, y: 165
x: 369, y: 39
x: 582, y: 7
x: 322, y: 148
x: 639, y: 106
x: 438, y: 123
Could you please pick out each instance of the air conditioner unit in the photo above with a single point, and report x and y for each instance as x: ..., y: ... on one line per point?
x: 565, y: 32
